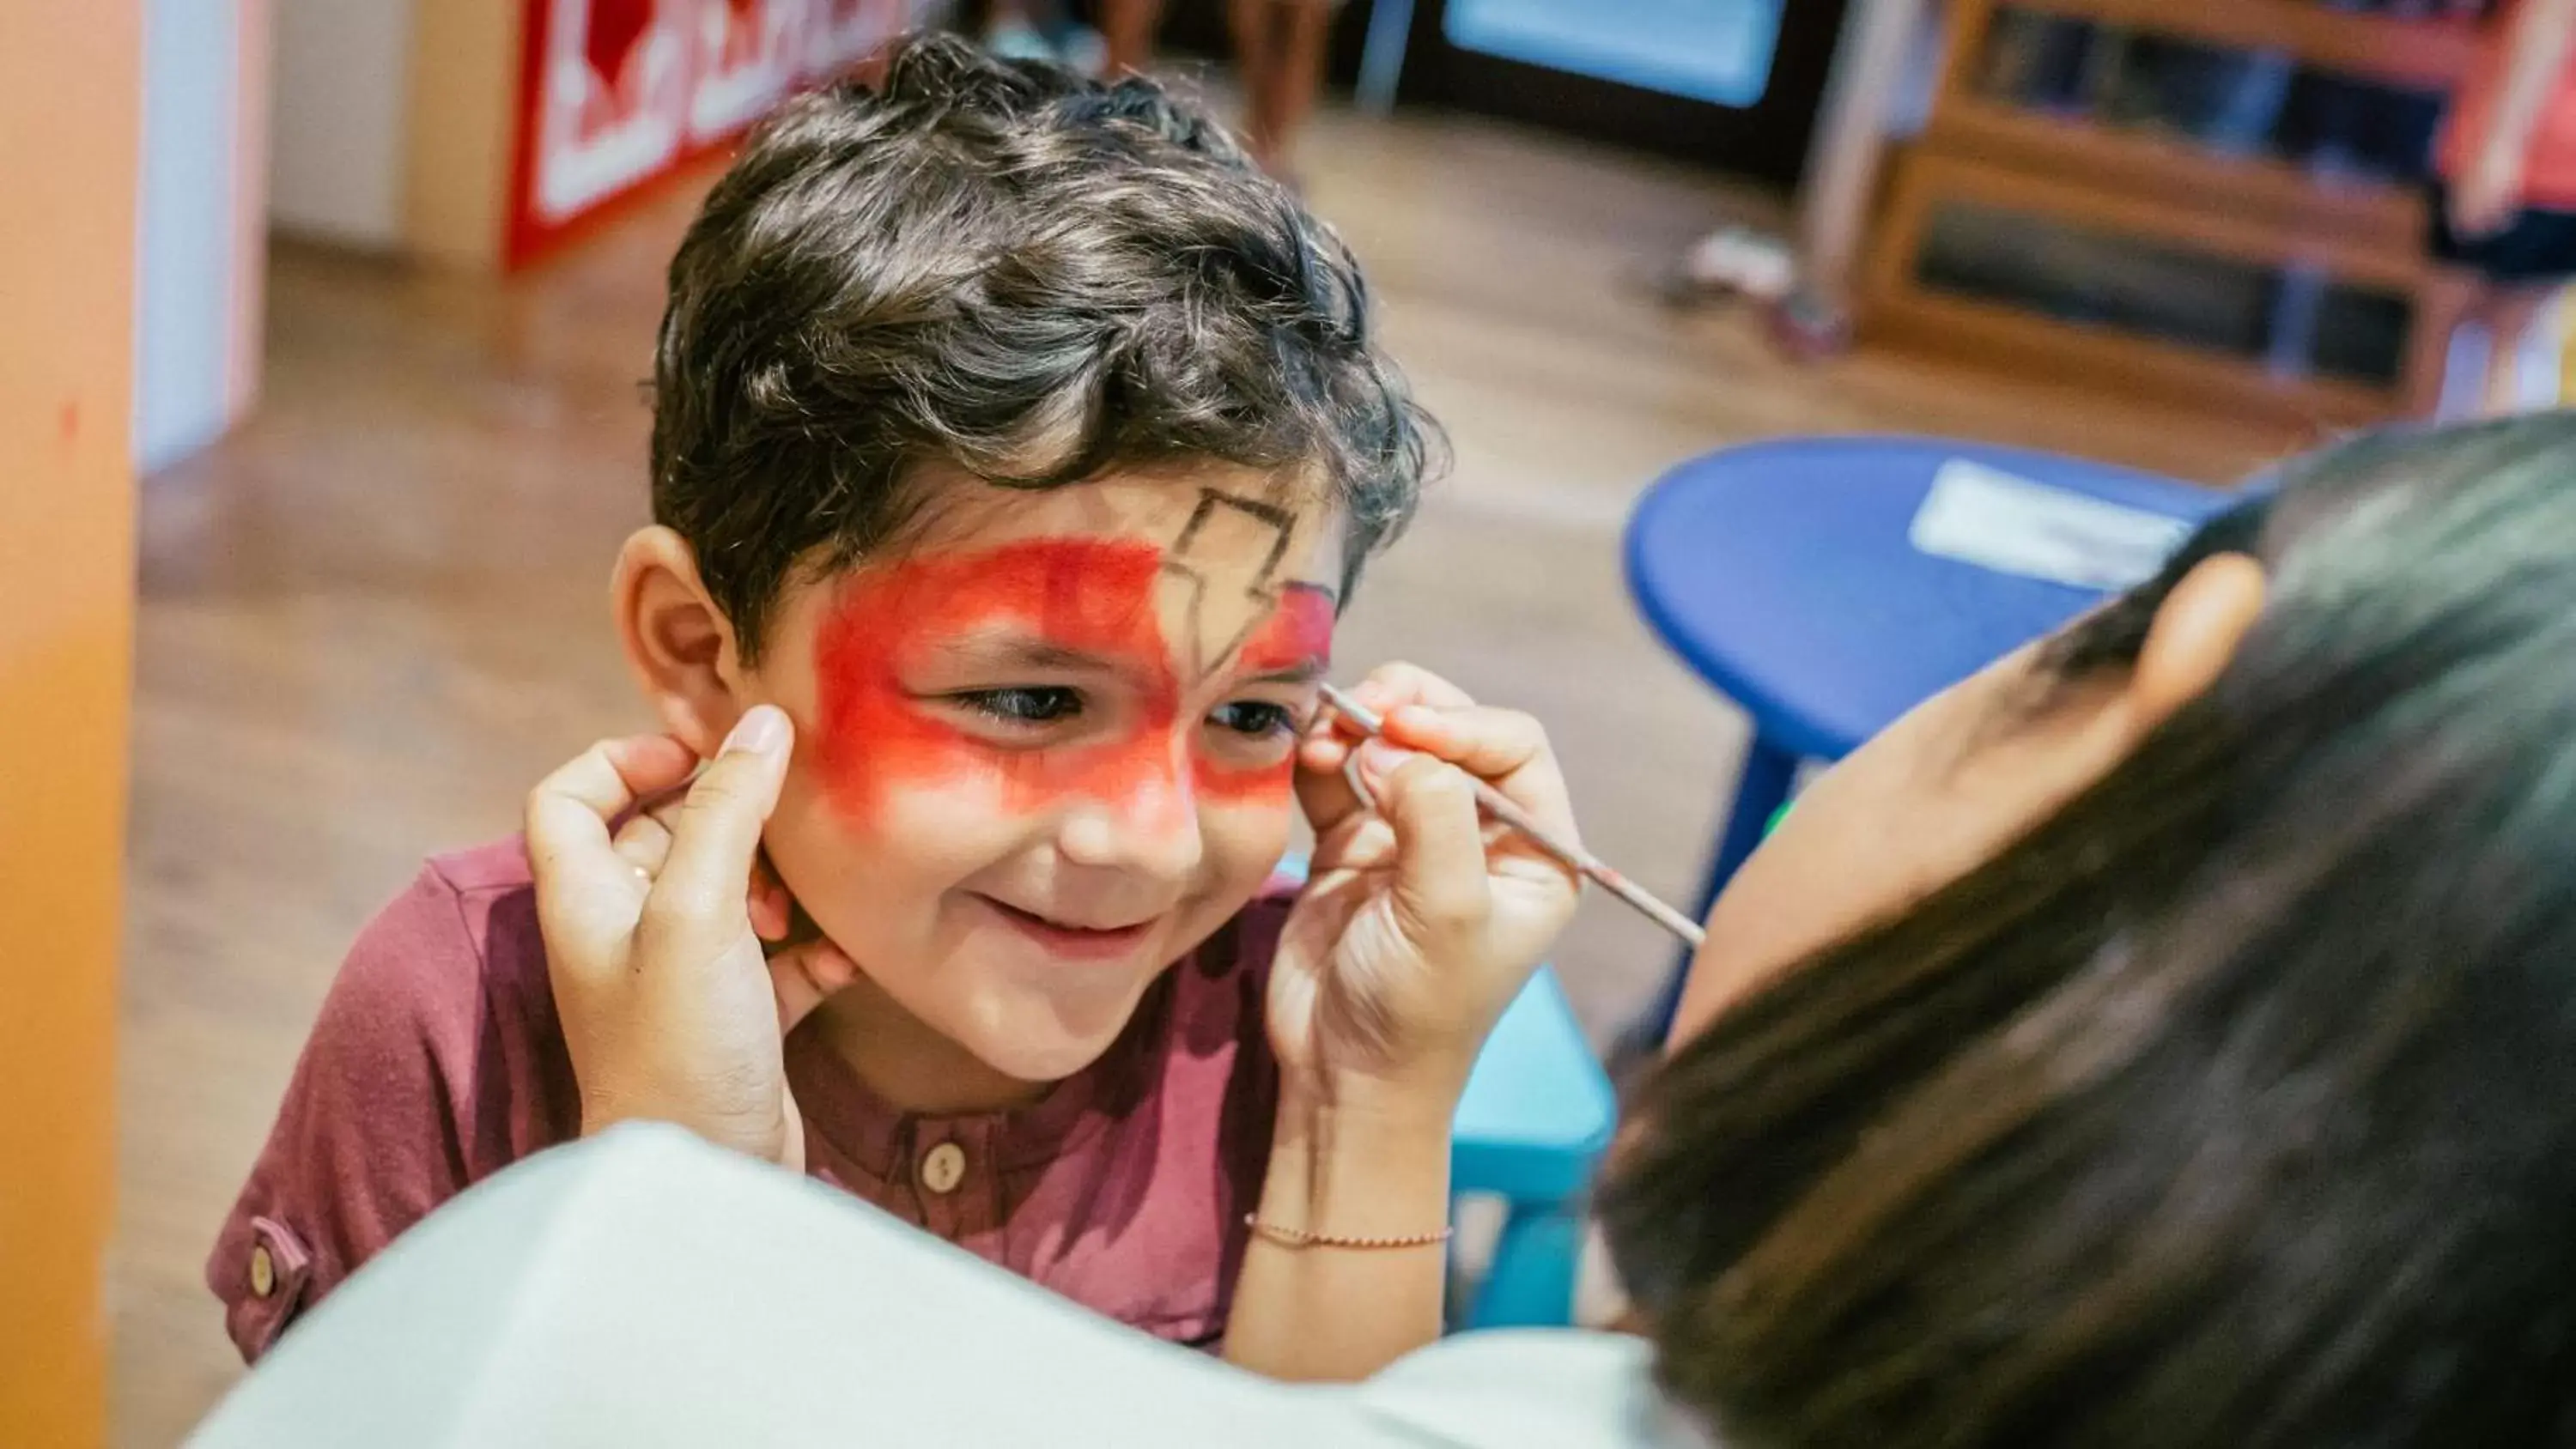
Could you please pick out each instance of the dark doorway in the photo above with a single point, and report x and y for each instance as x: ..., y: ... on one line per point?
x: 1495, y: 61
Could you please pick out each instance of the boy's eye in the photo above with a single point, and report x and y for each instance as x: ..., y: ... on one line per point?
x: 1029, y: 705
x: 1257, y: 718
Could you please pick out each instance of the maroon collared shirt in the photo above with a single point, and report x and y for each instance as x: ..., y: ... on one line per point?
x: 437, y: 1061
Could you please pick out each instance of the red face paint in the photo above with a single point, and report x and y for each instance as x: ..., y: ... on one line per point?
x: 1298, y: 632
x: 1094, y: 596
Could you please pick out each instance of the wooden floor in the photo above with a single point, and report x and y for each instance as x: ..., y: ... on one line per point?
x: 376, y: 614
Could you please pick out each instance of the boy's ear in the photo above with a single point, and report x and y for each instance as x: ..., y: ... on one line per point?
x: 677, y: 641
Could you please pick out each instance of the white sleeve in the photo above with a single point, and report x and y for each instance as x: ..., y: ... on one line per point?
x: 1552, y: 1388
x: 644, y: 1289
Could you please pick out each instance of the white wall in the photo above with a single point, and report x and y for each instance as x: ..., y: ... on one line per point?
x: 184, y: 259
x: 336, y: 147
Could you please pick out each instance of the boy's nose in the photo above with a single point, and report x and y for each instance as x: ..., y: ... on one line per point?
x: 1149, y: 825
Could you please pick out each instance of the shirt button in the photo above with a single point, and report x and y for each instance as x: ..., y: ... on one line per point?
x: 943, y: 1167
x: 263, y: 1272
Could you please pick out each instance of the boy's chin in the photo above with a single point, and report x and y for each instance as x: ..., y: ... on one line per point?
x: 1037, y: 1045
x: 1043, y: 1062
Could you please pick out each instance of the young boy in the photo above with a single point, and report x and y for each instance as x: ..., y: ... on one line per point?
x: 1014, y: 445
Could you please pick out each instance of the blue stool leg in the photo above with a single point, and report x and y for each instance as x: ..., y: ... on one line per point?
x: 1531, y: 1283
x: 1769, y: 772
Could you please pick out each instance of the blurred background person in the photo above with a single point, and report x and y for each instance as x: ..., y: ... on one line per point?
x: 2504, y: 200
x: 1279, y: 57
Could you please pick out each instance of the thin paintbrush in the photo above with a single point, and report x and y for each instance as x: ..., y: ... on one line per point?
x: 1500, y: 806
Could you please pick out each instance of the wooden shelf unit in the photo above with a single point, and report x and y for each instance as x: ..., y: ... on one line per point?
x: 2429, y: 55
x: 2160, y: 187
x: 1985, y: 331
x: 2085, y: 152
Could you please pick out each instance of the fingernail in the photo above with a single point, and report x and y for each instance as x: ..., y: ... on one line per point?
x: 761, y: 731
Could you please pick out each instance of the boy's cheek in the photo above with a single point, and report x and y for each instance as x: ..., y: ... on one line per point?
x: 810, y: 847
x: 1257, y: 787
x: 859, y: 820
x: 868, y: 770
x: 909, y: 847
x: 1253, y: 831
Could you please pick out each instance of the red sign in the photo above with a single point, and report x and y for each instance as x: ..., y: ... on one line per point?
x: 616, y: 94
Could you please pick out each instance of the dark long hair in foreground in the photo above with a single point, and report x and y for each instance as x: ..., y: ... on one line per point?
x: 2236, y: 1103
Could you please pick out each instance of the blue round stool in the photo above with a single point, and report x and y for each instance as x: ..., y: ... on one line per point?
x: 1783, y: 573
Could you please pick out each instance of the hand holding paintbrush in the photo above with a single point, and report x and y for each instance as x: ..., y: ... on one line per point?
x: 1499, y: 806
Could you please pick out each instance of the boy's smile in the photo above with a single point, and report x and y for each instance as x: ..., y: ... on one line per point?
x: 1047, y: 750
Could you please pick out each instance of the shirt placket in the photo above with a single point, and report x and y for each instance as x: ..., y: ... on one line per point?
x: 954, y: 1176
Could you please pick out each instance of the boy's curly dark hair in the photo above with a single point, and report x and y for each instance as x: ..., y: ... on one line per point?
x: 1030, y: 276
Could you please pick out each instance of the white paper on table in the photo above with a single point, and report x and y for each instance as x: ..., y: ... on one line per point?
x: 1997, y: 520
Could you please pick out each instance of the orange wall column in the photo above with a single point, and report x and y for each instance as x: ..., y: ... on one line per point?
x: 69, y: 118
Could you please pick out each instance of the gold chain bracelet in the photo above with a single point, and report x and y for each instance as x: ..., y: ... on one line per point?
x: 1300, y: 1238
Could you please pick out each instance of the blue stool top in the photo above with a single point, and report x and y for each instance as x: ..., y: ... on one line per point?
x: 1782, y: 573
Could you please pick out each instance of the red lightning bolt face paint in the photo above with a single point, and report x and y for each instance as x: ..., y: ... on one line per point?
x: 1094, y: 597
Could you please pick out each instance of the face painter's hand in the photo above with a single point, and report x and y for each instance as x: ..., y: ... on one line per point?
x: 646, y: 838
x: 672, y: 1007
x: 1422, y: 919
